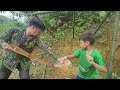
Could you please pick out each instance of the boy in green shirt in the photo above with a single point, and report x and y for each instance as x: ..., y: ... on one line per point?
x: 90, y: 59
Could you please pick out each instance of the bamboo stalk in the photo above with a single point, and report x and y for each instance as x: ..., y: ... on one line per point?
x: 44, y: 69
x: 46, y: 27
x: 114, y: 40
x: 73, y: 23
x: 41, y: 12
x: 102, y: 22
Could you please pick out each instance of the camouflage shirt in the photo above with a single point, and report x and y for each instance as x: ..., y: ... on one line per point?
x: 12, y: 59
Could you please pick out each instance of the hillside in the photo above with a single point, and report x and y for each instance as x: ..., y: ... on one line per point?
x: 67, y: 46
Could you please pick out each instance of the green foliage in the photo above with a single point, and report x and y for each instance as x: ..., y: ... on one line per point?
x: 114, y: 75
x: 102, y: 13
x: 61, y: 20
x: 98, y: 34
x: 107, y: 49
x: 7, y: 23
x: 60, y: 23
x: 64, y: 19
x: 49, y: 40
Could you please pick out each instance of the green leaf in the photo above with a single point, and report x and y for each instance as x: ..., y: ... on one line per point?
x: 102, y: 13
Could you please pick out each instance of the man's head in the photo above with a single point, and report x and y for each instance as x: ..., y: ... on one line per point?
x: 86, y: 39
x: 35, y: 27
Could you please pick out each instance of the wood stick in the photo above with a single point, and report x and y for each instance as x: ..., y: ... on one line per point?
x: 26, y: 54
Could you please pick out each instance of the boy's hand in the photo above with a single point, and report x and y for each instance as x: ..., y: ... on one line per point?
x: 61, y: 60
x: 90, y: 59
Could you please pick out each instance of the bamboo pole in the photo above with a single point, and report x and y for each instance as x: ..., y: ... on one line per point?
x: 102, y: 22
x: 114, y: 40
x: 44, y: 70
x: 46, y: 27
x: 41, y: 12
x: 73, y: 23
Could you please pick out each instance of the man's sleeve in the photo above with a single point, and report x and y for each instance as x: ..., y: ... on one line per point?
x: 47, y: 49
x: 3, y: 38
x: 1, y: 41
x: 7, y: 36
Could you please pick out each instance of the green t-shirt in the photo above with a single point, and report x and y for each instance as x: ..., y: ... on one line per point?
x: 86, y: 70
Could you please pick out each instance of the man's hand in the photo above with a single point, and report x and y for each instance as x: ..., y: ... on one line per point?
x: 6, y: 47
x: 90, y: 59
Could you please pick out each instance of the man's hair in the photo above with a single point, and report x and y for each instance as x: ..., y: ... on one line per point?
x: 87, y: 37
x: 38, y: 23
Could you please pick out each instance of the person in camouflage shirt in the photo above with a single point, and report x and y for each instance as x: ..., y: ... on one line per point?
x: 26, y: 39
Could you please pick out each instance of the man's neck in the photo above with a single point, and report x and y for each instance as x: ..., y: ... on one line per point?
x: 27, y: 33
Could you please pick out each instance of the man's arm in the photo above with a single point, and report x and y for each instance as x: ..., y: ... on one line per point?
x: 1, y: 41
x: 51, y: 53
x: 5, y: 39
x: 47, y: 50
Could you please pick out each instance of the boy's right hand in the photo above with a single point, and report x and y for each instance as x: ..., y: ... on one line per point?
x: 61, y: 60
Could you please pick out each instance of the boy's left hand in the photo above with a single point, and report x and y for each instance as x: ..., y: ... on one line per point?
x: 90, y: 59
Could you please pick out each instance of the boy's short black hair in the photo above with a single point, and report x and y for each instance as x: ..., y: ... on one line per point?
x: 87, y: 37
x: 38, y: 23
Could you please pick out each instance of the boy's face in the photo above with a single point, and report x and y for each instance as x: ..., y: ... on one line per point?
x: 84, y: 44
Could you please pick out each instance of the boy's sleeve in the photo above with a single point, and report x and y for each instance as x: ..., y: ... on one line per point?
x: 76, y: 54
x: 99, y: 60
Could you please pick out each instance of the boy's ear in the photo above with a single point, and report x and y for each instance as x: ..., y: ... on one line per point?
x: 87, y: 42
